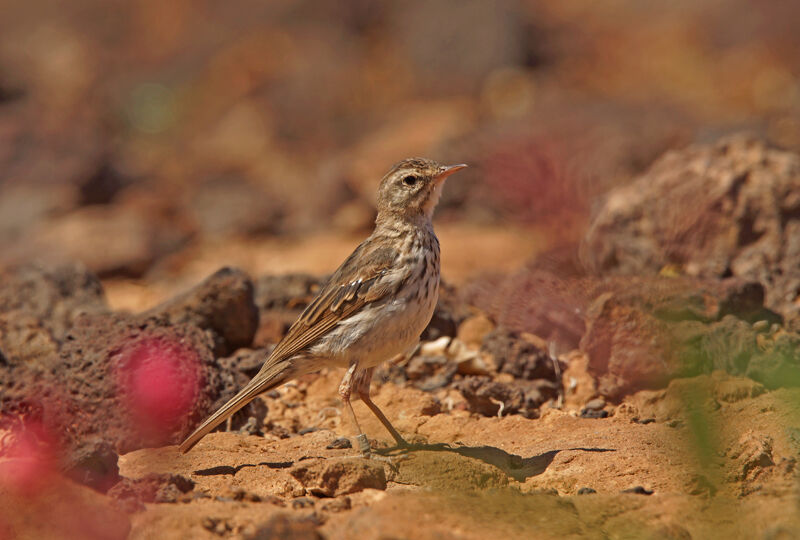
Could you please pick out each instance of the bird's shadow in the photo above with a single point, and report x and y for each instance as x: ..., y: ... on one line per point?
x: 228, y: 469
x: 516, y: 467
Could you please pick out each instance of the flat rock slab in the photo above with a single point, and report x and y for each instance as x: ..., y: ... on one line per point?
x: 334, y: 477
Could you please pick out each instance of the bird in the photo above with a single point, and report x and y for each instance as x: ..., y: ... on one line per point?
x: 372, y: 308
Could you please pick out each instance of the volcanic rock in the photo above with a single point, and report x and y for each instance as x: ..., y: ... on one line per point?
x: 727, y: 209
x: 223, y: 303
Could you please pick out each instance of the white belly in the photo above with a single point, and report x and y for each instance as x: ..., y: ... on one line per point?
x: 382, y: 330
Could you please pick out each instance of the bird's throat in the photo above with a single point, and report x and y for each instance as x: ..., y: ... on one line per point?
x: 433, y: 199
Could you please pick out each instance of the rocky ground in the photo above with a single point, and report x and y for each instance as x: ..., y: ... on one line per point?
x: 641, y: 390
x: 616, y: 349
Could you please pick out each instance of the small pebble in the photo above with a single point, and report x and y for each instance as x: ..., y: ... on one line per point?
x: 340, y: 443
x: 435, y: 348
x: 242, y: 495
x: 302, y: 502
x: 638, y: 490
x: 338, y: 505
x: 473, y: 329
x: 435, y: 382
x: 217, y: 526
x: 586, y: 413
x: 761, y: 326
x: 307, y: 430
x: 595, y: 404
x: 586, y: 491
x: 457, y: 348
x: 472, y: 363
x: 643, y: 421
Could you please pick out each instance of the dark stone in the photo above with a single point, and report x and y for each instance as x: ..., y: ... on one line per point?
x: 586, y: 491
x: 340, y: 443
x: 439, y: 380
x: 638, y: 490
x: 588, y: 413
x: 93, y: 464
x: 223, y: 303
x: 517, y: 356
x: 422, y: 367
x: 485, y: 396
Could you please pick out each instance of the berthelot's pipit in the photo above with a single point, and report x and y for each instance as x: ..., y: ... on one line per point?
x: 374, y: 307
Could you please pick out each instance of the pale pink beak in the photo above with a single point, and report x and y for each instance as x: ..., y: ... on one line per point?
x: 446, y: 171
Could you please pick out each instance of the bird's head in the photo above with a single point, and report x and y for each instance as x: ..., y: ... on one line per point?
x: 412, y: 188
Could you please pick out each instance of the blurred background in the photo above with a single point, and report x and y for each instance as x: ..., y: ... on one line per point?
x: 621, y: 263
x: 154, y: 139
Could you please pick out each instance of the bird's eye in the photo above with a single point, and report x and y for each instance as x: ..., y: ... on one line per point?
x: 410, y: 180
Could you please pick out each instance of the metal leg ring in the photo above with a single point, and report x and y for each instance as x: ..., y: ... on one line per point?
x: 363, y: 444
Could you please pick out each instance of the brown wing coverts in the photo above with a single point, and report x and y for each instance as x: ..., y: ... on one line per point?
x: 360, y: 277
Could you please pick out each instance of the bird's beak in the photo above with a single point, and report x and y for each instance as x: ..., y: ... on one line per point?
x: 447, y: 170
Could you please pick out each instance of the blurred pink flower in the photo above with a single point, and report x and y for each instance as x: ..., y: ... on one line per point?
x: 159, y: 381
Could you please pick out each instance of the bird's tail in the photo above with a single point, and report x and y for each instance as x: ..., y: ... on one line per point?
x: 268, y: 378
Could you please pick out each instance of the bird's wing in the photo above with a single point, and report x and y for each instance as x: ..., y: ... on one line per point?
x: 368, y: 275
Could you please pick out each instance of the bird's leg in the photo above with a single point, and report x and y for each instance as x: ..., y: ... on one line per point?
x: 363, y: 380
x: 345, y: 389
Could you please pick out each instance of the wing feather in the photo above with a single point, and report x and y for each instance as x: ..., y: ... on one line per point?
x: 363, y: 278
